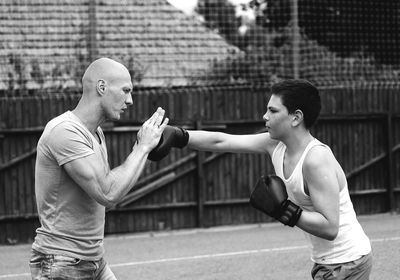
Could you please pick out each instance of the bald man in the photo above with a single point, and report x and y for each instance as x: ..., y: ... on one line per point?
x: 73, y: 181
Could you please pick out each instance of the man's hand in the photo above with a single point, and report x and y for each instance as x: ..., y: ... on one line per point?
x: 150, y: 133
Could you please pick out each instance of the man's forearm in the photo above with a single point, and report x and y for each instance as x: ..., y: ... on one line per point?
x: 124, y: 177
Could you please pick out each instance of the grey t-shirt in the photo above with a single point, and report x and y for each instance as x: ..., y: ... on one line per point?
x: 72, y: 223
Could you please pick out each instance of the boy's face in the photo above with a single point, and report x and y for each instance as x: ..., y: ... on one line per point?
x: 277, y: 118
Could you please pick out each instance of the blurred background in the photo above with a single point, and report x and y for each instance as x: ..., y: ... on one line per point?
x: 210, y: 64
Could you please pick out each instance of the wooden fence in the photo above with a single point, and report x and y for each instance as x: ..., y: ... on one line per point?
x: 191, y: 189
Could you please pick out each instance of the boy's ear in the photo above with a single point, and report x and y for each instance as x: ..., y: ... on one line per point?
x: 298, y: 117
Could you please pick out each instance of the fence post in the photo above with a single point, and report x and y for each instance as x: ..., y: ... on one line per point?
x: 390, y: 169
x: 200, y: 182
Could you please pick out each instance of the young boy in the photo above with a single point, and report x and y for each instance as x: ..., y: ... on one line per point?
x: 310, y: 183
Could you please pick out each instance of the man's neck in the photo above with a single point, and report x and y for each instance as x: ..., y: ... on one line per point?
x: 89, y: 116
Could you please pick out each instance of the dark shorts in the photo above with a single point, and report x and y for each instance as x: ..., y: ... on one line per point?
x: 359, y: 269
x: 44, y: 266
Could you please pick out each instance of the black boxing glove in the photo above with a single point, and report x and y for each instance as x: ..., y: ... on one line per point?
x: 172, y: 136
x: 270, y: 197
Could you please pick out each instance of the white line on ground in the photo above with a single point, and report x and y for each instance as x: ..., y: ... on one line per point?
x: 230, y: 254
x: 207, y: 256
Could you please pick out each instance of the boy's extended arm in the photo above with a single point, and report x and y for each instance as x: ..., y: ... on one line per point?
x: 224, y: 142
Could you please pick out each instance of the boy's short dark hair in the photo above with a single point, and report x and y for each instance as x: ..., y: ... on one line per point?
x: 301, y: 95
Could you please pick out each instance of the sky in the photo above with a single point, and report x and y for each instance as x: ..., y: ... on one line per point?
x: 187, y: 6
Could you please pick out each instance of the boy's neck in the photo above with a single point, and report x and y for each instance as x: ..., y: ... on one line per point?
x: 298, y: 142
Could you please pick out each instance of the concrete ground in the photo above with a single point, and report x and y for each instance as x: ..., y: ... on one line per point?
x: 257, y: 251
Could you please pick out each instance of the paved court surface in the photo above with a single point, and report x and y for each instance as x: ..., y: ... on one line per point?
x: 258, y: 251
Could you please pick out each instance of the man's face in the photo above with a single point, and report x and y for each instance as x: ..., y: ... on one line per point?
x: 118, y: 97
x: 277, y: 118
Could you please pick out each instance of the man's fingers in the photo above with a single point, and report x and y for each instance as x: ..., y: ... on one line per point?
x: 153, y: 119
x: 160, y: 117
x: 164, y: 124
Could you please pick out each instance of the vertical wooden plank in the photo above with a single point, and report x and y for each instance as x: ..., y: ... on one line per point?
x: 3, y: 112
x: 148, y: 110
x: 200, y: 182
x: 45, y: 111
x: 12, y: 186
x: 28, y: 145
x: 3, y: 185
x: 11, y: 113
x: 191, y: 106
x: 182, y: 108
x: 258, y: 104
x: 244, y: 102
x: 14, y: 192
x: 25, y: 115
x: 248, y: 95
x: 214, y: 106
x: 142, y: 105
x: 21, y: 178
x: 54, y: 106
x: 390, y: 170
x: 231, y: 110
x: 206, y: 104
x: 164, y: 102
x: 170, y: 104
x: 31, y: 192
x: 20, y: 113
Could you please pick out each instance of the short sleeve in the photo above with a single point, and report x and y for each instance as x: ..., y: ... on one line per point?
x: 68, y: 141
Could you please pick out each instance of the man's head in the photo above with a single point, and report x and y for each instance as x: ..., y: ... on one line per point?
x: 110, y: 83
x: 299, y: 95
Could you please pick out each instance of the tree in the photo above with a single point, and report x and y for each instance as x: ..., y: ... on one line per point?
x: 220, y: 15
x: 345, y: 27
x: 349, y: 40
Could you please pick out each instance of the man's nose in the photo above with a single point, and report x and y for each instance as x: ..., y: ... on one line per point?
x: 129, y: 100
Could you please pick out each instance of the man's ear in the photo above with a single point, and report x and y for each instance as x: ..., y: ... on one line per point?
x: 298, y: 117
x: 101, y: 87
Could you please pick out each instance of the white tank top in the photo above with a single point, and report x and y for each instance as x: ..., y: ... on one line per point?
x: 351, y: 242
